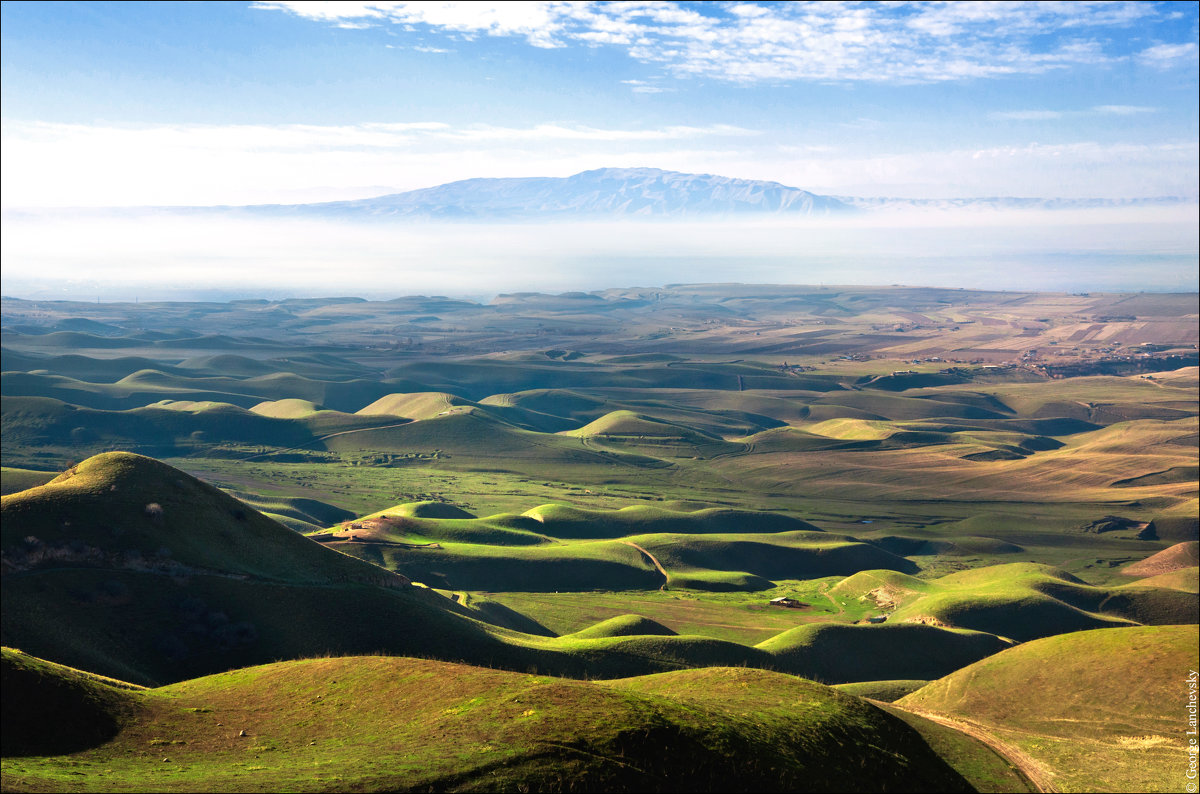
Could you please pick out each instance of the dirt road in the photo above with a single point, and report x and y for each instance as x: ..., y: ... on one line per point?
x: 652, y: 559
x: 322, y: 438
x: 1037, y: 774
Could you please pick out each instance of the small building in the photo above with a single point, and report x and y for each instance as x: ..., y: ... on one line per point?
x: 789, y: 603
x: 877, y: 619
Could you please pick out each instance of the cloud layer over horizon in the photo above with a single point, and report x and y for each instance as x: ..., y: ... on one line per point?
x: 52, y: 164
x: 170, y: 257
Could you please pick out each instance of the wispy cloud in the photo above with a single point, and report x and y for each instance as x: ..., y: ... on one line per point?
x: 1123, y: 110
x: 643, y: 87
x: 1052, y: 115
x: 750, y: 42
x: 1166, y: 56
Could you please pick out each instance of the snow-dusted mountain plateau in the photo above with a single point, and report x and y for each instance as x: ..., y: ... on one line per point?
x: 637, y: 192
x: 604, y: 194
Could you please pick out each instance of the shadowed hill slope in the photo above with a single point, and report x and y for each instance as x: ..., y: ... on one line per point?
x: 49, y: 709
x: 837, y: 653
x: 135, y: 513
x: 125, y: 566
x: 420, y: 724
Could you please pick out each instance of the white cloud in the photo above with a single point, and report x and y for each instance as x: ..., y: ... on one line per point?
x: 747, y: 42
x: 1123, y: 110
x: 1166, y: 56
x: 1052, y: 115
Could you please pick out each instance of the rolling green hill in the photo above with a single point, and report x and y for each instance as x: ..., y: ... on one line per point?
x: 605, y: 487
x: 1100, y: 709
x: 837, y: 653
x: 135, y: 513
x: 15, y: 479
x: 567, y: 521
x: 172, y: 424
x: 389, y: 724
x: 1022, y: 601
x: 523, y: 553
x: 127, y: 567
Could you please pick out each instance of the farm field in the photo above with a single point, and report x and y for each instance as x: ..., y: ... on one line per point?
x: 575, y: 512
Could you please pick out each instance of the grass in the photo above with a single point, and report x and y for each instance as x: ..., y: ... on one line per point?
x: 969, y: 486
x: 886, y: 691
x: 838, y: 653
x: 506, y: 560
x: 584, y: 565
x: 13, y: 480
x: 1101, y: 709
x: 982, y: 767
x: 568, y: 521
x: 738, y: 617
x: 136, y: 513
x: 95, y: 585
x: 390, y: 724
x: 1020, y: 600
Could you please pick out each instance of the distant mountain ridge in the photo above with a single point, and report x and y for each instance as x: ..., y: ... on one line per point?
x: 604, y: 193
x: 637, y: 192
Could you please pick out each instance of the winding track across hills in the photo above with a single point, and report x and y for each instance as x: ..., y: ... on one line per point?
x: 323, y: 438
x: 1035, y: 773
x: 652, y: 559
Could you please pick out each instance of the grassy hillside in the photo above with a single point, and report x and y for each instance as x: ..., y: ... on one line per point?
x: 1022, y: 601
x: 838, y: 653
x: 567, y: 521
x: 886, y: 691
x: 15, y: 479
x: 385, y: 724
x: 497, y: 558
x: 963, y: 487
x: 1100, y: 710
x: 597, y: 565
x: 180, y: 425
x: 134, y: 513
x: 127, y: 567
x: 49, y: 709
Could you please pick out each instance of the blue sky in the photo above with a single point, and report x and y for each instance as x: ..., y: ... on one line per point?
x: 197, y: 103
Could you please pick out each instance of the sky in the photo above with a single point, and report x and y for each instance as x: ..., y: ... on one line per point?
x: 237, y: 102
x: 216, y: 103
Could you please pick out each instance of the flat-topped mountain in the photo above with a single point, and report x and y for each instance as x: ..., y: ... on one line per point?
x: 604, y: 193
x: 636, y: 192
